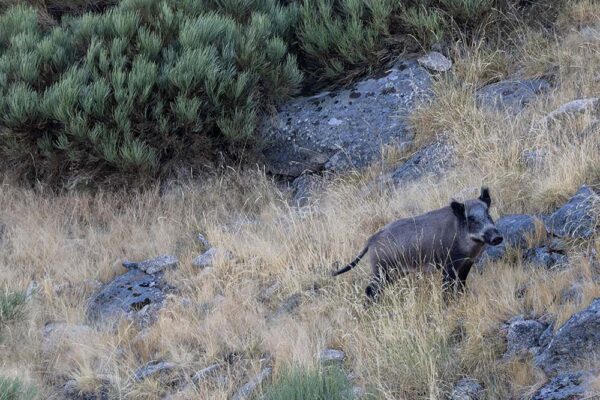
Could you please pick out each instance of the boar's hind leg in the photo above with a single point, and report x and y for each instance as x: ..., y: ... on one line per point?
x: 378, y: 280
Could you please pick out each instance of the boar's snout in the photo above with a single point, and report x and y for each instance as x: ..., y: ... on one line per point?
x: 493, y: 237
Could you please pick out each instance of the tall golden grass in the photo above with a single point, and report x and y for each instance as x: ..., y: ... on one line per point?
x: 411, y: 346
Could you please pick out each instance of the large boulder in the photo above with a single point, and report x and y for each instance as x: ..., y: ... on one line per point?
x: 576, y: 340
x: 567, y: 386
x: 135, y: 294
x: 430, y: 161
x: 345, y: 129
x: 511, y: 95
x: 579, y: 217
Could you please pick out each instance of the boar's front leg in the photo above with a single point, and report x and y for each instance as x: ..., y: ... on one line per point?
x: 455, y: 277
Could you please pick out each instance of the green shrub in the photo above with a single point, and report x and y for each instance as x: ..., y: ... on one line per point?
x: 132, y: 91
x: 11, y: 306
x: 341, y: 36
x: 13, y: 389
x: 318, y: 384
x: 424, y: 23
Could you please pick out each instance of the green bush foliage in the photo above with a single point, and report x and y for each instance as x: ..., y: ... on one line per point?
x: 318, y: 384
x: 14, y: 389
x: 11, y: 306
x: 131, y: 91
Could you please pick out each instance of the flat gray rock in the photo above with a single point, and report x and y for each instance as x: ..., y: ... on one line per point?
x: 430, y: 161
x: 576, y: 340
x: 511, y: 95
x: 153, y: 369
x: 133, y: 294
x: 332, y: 356
x: 570, y: 109
x: 345, y: 129
x: 579, y: 217
x: 153, y: 265
x: 567, y: 386
x: 467, y: 389
x: 208, y: 258
x: 245, y: 392
x: 435, y: 61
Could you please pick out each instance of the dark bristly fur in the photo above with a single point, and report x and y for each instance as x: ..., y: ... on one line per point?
x: 451, y: 238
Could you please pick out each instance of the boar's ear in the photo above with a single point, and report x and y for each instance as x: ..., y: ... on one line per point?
x: 459, y: 210
x: 485, y: 196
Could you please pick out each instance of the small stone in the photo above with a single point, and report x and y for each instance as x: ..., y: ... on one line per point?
x: 153, y: 265
x: 203, y: 240
x: 435, y: 61
x: 467, y: 389
x: 154, y: 368
x: 206, y: 373
x: 246, y: 391
x: 32, y: 289
x: 208, y: 258
x: 569, y: 109
x: 332, y: 355
x: 335, y: 122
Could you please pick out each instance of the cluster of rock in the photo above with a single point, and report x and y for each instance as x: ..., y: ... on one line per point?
x: 563, y: 354
x: 576, y: 219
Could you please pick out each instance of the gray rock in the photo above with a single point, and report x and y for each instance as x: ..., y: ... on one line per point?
x: 572, y: 294
x: 534, y: 158
x: 590, y: 33
x: 579, y: 217
x: 345, y: 129
x: 72, y: 391
x: 546, y: 336
x: 126, y: 296
x: 435, y: 61
x: 288, y: 305
x: 544, y: 257
x: 153, y: 265
x: 203, y: 240
x: 511, y: 95
x: 467, y: 389
x: 32, y: 290
x: 430, y: 161
x: 566, y: 386
x: 577, y: 339
x: 523, y: 335
x: 332, y: 356
x: 208, y: 258
x: 208, y: 372
x: 515, y: 229
x: 567, y: 110
x: 153, y: 369
x: 245, y: 392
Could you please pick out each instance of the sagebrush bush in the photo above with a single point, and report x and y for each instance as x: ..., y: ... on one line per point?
x: 328, y: 383
x: 143, y: 85
x: 11, y: 306
x: 14, y: 389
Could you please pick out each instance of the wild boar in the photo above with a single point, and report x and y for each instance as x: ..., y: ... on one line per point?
x: 450, y: 238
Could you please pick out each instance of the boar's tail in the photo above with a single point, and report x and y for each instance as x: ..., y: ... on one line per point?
x: 352, y: 264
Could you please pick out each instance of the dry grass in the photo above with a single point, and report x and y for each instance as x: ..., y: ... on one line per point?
x: 409, y: 347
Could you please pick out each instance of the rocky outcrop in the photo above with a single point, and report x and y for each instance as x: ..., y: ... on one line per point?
x: 467, y: 389
x: 579, y: 217
x: 566, y: 386
x: 345, y: 129
x: 431, y: 161
x: 135, y: 295
x: 511, y: 95
x: 576, y: 340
